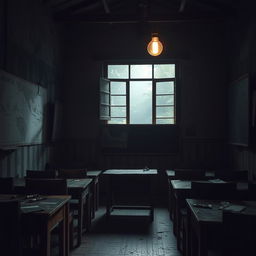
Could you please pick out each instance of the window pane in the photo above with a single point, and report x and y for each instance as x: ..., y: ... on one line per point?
x: 104, y: 110
x: 165, y: 100
x: 141, y: 71
x: 164, y: 112
x: 118, y: 100
x: 165, y: 121
x: 118, y: 71
x: 165, y: 87
x: 141, y: 102
x: 118, y: 112
x: 118, y: 88
x: 104, y: 98
x: 104, y: 84
x: 117, y: 121
x: 164, y: 71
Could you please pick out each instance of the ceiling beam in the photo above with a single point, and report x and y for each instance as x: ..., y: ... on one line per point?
x: 215, y: 5
x: 67, y: 4
x: 106, y: 7
x: 58, y: 2
x: 137, y: 19
x: 182, y: 5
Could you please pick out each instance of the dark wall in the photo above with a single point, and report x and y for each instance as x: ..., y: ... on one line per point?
x: 29, y: 43
x: 199, y: 50
x: 242, y: 59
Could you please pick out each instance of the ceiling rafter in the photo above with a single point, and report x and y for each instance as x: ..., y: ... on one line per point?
x: 106, y: 7
x: 142, y: 10
x: 78, y: 6
x: 136, y: 18
x: 215, y: 5
x: 69, y: 4
x: 182, y: 5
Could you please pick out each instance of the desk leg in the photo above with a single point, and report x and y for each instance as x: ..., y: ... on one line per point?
x: 66, y: 229
x: 171, y: 201
x: 188, y: 236
x: 97, y: 195
x: 151, y: 198
x: 87, y: 218
x: 193, y: 236
x: 202, y: 241
x: 174, y: 211
x: 80, y: 220
x: 62, y: 236
x: 109, y: 197
x: 46, y: 240
x: 93, y: 204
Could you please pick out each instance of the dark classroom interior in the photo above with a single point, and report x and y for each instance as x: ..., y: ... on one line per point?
x: 111, y: 147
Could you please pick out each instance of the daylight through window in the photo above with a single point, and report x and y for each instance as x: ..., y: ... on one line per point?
x: 142, y: 94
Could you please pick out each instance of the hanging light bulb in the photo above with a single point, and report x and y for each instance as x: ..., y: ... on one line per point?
x: 155, y: 47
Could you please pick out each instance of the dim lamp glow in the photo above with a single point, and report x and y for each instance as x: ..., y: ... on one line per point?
x: 155, y: 47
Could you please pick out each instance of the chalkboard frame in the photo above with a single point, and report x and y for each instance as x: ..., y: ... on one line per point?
x: 239, y: 111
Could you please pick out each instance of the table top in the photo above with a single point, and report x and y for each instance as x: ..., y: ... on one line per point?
x: 213, y: 213
x: 94, y: 173
x: 71, y: 183
x: 44, y: 205
x: 78, y: 183
x: 130, y: 172
x: 186, y: 185
x: 171, y: 174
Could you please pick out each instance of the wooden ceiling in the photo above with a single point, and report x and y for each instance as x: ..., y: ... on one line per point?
x: 132, y: 11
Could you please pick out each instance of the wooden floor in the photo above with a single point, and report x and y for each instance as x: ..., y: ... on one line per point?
x: 129, y: 237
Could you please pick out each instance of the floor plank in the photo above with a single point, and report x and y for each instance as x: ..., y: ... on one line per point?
x: 128, y: 237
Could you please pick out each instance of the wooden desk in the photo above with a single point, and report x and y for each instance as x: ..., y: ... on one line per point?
x: 124, y: 210
x: 200, y: 220
x: 54, y: 210
x: 95, y: 174
x: 171, y: 174
x: 79, y: 189
x: 182, y: 190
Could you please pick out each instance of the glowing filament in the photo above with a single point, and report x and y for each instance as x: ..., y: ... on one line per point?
x: 155, y: 47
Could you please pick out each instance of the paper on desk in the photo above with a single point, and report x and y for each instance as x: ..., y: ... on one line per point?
x: 234, y: 208
x: 217, y: 181
x: 48, y: 202
x: 30, y: 208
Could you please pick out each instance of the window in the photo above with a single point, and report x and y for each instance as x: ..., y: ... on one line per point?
x: 141, y: 94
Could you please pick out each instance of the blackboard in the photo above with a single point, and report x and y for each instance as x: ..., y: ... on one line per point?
x: 22, y: 111
x: 239, y: 111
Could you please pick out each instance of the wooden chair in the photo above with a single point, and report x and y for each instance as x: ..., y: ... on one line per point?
x: 239, y: 232
x: 214, y: 191
x: 6, y: 185
x: 252, y: 190
x: 189, y: 174
x: 10, y: 231
x: 46, y: 186
x: 79, y: 174
x: 232, y: 175
x: 41, y: 174
x: 72, y: 173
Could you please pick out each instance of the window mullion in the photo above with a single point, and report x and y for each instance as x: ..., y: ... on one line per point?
x: 128, y: 102
x: 154, y: 101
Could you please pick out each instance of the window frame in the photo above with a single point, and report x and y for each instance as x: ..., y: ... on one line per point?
x: 154, y: 95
